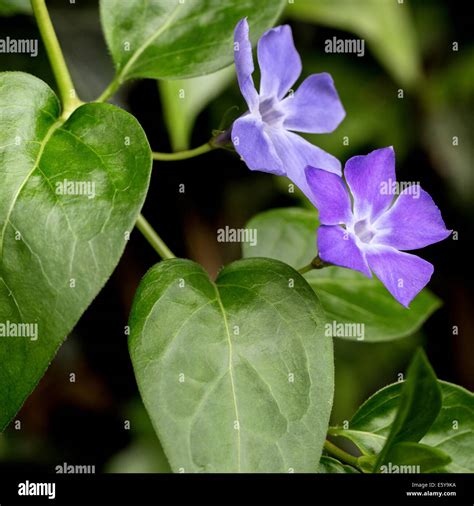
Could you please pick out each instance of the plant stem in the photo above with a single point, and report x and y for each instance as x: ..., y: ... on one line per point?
x: 316, y: 263
x: 183, y: 155
x: 110, y: 90
x: 340, y: 454
x: 66, y: 89
x: 153, y: 238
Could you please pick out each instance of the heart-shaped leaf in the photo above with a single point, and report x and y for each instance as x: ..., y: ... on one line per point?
x: 236, y: 375
x: 71, y: 191
x: 452, y: 431
x: 347, y: 296
x: 176, y: 39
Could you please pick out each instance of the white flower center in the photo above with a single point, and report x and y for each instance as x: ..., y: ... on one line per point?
x: 364, y: 231
x: 270, y: 112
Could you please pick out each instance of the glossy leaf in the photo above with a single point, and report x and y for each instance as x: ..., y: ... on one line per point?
x: 183, y: 99
x: 385, y: 25
x: 452, y: 431
x: 328, y: 465
x: 236, y: 375
x: 174, y: 39
x: 347, y: 296
x: 71, y: 192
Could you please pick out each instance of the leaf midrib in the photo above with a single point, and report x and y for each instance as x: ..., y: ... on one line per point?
x: 231, y: 374
x: 122, y: 74
x: 44, y: 142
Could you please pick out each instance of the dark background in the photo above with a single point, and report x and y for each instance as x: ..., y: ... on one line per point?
x: 84, y: 422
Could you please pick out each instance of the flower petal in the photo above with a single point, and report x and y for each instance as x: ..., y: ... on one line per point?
x: 338, y: 247
x: 255, y: 146
x: 280, y: 63
x: 329, y: 196
x: 296, y: 154
x: 404, y: 275
x: 414, y: 221
x: 244, y: 64
x: 366, y: 176
x: 315, y: 107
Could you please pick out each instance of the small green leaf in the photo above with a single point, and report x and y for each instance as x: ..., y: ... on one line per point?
x: 452, y: 431
x: 71, y: 192
x: 386, y: 25
x: 419, y: 405
x: 172, y: 39
x: 406, y: 457
x: 182, y: 101
x: 348, y: 297
x: 329, y: 465
x: 236, y: 375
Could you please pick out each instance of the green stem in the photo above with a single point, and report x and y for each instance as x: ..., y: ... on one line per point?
x: 110, y: 90
x: 153, y: 238
x: 183, y: 155
x: 340, y: 454
x: 316, y: 263
x: 66, y: 89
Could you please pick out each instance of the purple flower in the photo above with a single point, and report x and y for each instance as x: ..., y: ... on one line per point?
x: 264, y: 136
x: 373, y: 232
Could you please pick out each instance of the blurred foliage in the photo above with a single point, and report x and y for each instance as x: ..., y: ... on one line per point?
x: 12, y: 7
x: 183, y: 99
x: 385, y: 25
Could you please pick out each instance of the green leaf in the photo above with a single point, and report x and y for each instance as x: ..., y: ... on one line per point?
x: 182, y: 101
x: 406, y: 457
x: 58, y: 249
x: 287, y: 234
x: 12, y: 7
x: 347, y: 296
x: 418, y: 407
x: 172, y: 39
x: 236, y: 375
x: 329, y: 465
x: 385, y: 25
x: 452, y: 431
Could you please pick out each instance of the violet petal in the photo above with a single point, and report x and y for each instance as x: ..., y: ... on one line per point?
x: 329, y: 196
x: 412, y: 222
x: 255, y: 146
x: 315, y: 107
x: 244, y: 64
x: 296, y: 153
x: 403, y: 274
x: 337, y: 246
x: 365, y: 176
x: 279, y: 61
